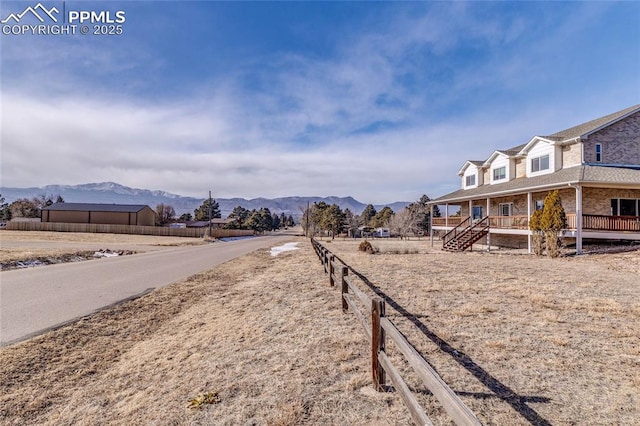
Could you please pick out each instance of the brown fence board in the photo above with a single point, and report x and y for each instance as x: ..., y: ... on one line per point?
x: 159, y: 231
x: 356, y: 311
x: 460, y: 413
x: 377, y: 330
x: 417, y: 413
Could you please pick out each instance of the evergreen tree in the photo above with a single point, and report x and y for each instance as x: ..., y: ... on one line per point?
x: 553, y: 220
x: 186, y: 217
x: 332, y: 220
x: 260, y: 220
x: 5, y: 211
x: 381, y: 218
x: 202, y: 212
x: 538, y: 234
x: 275, y: 221
x: 368, y: 214
x: 316, y: 216
x: 290, y: 221
x: 352, y: 222
x: 238, y: 218
x: 267, y: 219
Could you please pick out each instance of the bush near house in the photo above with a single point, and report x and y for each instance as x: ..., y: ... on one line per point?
x: 546, y: 225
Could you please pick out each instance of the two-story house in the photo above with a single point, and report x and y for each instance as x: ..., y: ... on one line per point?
x: 594, y: 165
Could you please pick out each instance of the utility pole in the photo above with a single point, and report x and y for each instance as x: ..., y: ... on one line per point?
x: 306, y: 231
x: 210, y: 205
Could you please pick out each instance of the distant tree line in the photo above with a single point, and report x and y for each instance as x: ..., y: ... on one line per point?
x: 261, y: 220
x: 324, y: 219
x: 258, y: 220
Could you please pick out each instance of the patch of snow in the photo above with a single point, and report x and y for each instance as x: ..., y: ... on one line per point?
x: 286, y: 247
x: 106, y: 253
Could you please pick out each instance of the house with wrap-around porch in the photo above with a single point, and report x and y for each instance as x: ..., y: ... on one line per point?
x: 595, y: 166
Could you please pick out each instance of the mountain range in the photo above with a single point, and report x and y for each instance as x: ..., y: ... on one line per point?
x: 114, y: 193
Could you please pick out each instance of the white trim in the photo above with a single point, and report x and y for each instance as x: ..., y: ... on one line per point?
x: 524, y: 151
x: 466, y: 165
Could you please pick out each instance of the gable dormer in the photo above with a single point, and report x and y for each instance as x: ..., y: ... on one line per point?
x: 501, y: 166
x: 472, y: 174
x: 542, y: 156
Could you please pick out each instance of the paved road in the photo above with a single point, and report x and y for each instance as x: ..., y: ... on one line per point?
x: 36, y: 299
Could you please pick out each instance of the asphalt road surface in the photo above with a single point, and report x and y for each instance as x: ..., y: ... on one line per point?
x: 35, y: 300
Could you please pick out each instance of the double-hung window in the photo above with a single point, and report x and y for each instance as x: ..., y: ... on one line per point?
x: 505, y: 209
x: 470, y: 180
x: 539, y: 164
x: 500, y: 173
x: 598, y: 153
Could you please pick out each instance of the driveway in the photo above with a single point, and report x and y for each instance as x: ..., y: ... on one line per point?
x: 35, y: 300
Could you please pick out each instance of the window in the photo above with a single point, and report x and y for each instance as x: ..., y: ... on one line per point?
x: 625, y: 207
x: 470, y: 180
x: 477, y: 212
x: 505, y: 209
x: 539, y: 205
x: 540, y: 163
x: 500, y: 173
x: 598, y: 152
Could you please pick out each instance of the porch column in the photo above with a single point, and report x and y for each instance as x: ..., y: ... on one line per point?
x: 578, y: 219
x: 530, y: 234
x: 431, y: 223
x: 446, y: 215
x: 471, y: 210
x: 489, y: 234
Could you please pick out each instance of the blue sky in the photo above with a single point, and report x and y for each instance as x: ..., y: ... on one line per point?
x: 383, y: 101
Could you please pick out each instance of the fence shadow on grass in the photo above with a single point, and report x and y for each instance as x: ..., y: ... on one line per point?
x: 499, y: 389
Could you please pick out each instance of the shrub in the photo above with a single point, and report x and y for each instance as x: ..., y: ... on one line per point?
x: 366, y: 247
x: 552, y: 220
x: 538, y: 235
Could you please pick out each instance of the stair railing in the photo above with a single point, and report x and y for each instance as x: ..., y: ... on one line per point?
x: 451, y: 235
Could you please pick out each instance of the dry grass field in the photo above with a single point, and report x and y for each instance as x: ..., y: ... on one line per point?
x: 522, y: 340
x: 22, y: 245
x: 261, y: 336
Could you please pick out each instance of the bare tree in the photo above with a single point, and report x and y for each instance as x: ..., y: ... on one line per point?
x: 24, y: 207
x: 165, y: 213
x: 404, y: 223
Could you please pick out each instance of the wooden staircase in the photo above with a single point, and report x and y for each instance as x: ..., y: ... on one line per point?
x: 465, y: 234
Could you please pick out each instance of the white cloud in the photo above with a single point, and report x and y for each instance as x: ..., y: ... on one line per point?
x: 375, y: 120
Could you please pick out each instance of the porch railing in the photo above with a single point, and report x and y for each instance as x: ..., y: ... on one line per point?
x: 509, y: 222
x: 450, y: 221
x: 589, y: 222
x: 611, y: 223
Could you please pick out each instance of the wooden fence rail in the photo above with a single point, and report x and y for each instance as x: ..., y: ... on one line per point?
x: 160, y: 231
x: 378, y: 329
